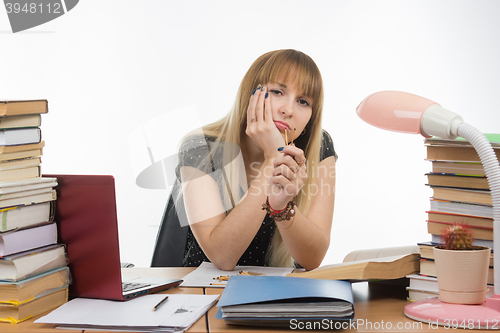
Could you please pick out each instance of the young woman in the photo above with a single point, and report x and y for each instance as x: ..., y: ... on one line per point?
x: 246, y: 193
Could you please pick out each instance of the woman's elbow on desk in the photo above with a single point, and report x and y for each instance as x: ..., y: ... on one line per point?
x: 223, y: 259
x: 312, y: 260
x: 312, y: 265
x: 225, y: 265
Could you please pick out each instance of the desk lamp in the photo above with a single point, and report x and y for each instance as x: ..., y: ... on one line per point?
x: 408, y: 113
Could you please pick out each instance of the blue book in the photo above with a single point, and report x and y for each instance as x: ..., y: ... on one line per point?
x: 271, y: 300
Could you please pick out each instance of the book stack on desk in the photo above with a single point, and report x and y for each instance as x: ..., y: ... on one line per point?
x: 460, y: 194
x: 33, y: 272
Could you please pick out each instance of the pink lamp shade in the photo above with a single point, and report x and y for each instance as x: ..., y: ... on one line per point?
x: 394, y: 110
x: 404, y: 112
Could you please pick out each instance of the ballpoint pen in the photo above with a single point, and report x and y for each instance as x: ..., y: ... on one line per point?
x: 160, y: 303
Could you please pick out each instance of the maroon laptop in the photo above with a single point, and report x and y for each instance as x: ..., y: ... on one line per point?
x: 87, y: 223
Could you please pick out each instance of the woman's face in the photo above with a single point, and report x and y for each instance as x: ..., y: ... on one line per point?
x: 290, y: 108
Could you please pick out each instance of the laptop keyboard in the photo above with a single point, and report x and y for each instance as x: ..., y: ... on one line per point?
x: 128, y: 286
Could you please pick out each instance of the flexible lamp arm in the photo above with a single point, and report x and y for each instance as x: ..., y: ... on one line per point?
x: 404, y: 112
x: 492, y: 170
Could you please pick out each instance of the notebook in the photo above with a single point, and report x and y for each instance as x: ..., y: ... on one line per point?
x: 87, y: 223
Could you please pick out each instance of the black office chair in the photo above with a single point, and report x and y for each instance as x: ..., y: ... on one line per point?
x: 172, y: 237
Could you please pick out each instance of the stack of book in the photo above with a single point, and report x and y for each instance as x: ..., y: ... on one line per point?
x: 34, y: 276
x: 460, y: 194
x: 460, y: 188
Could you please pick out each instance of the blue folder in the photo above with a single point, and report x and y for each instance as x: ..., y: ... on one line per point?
x: 260, y: 289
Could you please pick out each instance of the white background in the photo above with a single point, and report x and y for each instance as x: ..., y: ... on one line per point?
x: 108, y: 68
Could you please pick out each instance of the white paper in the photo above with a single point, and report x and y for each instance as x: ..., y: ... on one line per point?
x: 179, y: 311
x: 205, y: 275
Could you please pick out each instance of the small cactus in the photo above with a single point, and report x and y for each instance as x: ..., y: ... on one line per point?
x: 457, y: 237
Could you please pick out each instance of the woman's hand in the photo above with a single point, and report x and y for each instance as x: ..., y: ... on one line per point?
x: 260, y: 125
x: 289, y: 175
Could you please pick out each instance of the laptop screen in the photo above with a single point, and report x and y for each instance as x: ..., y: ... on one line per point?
x: 87, y: 223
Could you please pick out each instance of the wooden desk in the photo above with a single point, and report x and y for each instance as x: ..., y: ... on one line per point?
x: 29, y: 326
x: 378, y: 307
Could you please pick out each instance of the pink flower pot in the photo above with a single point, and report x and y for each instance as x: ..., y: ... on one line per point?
x: 462, y: 275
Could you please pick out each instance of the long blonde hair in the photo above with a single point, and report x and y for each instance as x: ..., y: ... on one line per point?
x: 289, y: 67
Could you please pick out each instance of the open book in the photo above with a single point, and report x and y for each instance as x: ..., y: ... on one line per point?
x: 372, y: 264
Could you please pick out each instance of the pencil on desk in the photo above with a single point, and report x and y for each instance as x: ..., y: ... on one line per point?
x: 160, y: 303
x: 218, y: 284
x: 249, y: 273
x: 222, y: 278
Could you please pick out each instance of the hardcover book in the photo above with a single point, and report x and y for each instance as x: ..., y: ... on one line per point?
x: 25, y: 264
x: 21, y: 151
x: 21, y: 240
x: 34, y: 287
x: 372, y: 264
x: 20, y: 136
x: 17, y: 313
x: 16, y: 108
x: 25, y: 216
x: 20, y: 121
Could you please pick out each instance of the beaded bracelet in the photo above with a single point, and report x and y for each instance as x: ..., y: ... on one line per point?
x: 280, y: 215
